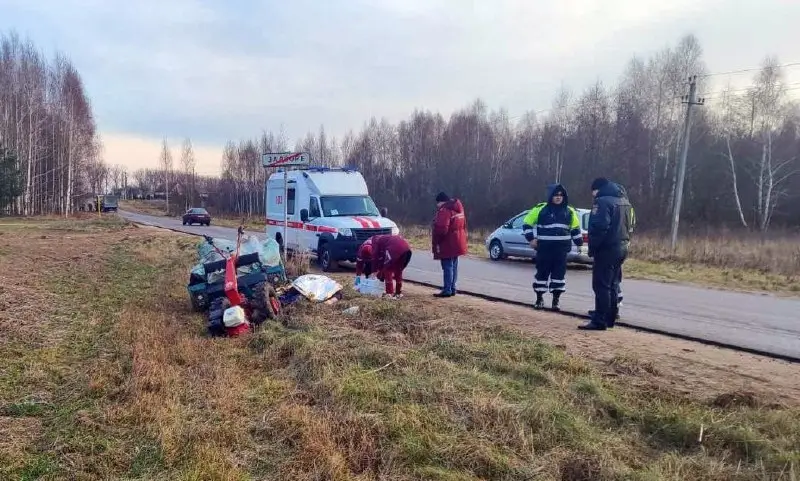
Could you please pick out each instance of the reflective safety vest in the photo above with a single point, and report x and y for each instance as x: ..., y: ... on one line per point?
x: 552, y: 227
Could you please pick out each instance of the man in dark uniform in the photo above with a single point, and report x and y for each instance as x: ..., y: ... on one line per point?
x: 618, y: 284
x: 609, y: 237
x: 631, y: 227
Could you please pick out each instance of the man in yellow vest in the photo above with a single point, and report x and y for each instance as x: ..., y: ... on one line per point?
x: 551, y: 228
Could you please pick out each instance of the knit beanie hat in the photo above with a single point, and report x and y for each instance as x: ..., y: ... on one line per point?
x: 599, y: 182
x: 442, y: 197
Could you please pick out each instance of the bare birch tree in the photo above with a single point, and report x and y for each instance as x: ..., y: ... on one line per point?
x: 165, y: 161
x: 188, y: 164
x: 47, y: 123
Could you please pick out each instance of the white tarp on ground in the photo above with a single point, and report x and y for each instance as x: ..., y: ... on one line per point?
x: 316, y: 288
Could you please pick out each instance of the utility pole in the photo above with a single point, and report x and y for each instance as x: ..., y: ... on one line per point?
x: 690, y: 101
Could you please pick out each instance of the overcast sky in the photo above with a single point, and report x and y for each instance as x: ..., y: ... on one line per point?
x: 219, y: 70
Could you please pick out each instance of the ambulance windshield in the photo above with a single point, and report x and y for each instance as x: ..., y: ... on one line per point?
x: 347, y: 205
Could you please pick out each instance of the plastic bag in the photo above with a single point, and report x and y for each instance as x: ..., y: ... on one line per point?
x: 316, y: 288
x: 369, y: 287
x: 269, y: 253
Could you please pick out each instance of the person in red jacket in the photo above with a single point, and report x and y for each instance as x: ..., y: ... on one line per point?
x: 449, y: 240
x: 364, y: 259
x: 390, y: 256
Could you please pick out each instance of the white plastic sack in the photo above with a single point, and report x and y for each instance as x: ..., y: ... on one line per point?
x: 316, y: 288
x: 234, y: 316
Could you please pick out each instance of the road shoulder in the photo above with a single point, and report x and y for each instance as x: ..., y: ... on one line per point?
x: 690, y: 368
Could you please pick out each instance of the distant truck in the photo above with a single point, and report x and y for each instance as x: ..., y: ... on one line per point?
x: 109, y: 203
x: 330, y: 213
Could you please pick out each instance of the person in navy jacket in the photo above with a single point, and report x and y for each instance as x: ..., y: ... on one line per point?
x: 610, y: 227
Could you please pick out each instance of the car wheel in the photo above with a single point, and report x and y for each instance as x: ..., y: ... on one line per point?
x: 496, y: 250
x: 325, y: 260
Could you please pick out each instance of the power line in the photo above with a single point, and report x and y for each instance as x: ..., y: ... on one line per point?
x: 711, y: 95
x: 719, y: 95
x: 744, y: 70
x: 613, y: 96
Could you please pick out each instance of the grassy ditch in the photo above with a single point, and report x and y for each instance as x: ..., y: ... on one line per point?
x: 107, y: 375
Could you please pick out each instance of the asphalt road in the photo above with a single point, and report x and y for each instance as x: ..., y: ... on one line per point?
x: 756, y: 322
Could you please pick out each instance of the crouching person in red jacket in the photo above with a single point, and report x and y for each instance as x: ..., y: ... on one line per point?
x: 390, y: 256
x: 364, y: 259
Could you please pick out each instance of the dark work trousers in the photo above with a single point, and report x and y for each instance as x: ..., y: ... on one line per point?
x: 618, y: 280
x: 605, y: 282
x: 551, y: 271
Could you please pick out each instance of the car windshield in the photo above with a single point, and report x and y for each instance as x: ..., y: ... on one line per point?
x: 198, y: 211
x: 585, y: 221
x: 346, y: 205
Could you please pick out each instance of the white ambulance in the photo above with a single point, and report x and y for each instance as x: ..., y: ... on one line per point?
x: 330, y: 213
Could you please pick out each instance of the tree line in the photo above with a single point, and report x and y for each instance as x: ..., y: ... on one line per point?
x: 49, y: 147
x: 741, y: 170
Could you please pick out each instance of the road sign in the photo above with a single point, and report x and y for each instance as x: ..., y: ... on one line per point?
x: 285, y: 159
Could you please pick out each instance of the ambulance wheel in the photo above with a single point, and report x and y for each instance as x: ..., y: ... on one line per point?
x: 496, y: 250
x: 325, y: 259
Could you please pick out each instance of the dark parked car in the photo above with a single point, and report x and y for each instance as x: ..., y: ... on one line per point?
x: 109, y: 203
x: 197, y: 215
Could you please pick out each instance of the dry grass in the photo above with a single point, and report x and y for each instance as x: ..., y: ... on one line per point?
x: 774, y: 255
x: 744, y: 262
x: 107, y: 375
x: 148, y: 207
x: 298, y: 264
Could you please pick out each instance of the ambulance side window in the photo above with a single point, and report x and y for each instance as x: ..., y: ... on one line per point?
x: 313, y: 211
x: 290, y: 202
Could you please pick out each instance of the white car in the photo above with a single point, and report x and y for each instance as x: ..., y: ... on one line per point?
x: 508, y: 240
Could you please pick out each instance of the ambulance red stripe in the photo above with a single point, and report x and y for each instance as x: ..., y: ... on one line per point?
x: 361, y: 221
x: 300, y: 225
x: 367, y: 222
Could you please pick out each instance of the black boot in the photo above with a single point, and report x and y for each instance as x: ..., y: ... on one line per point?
x: 539, y: 301
x: 596, y: 323
x: 556, y: 296
x: 593, y: 326
x: 591, y: 314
